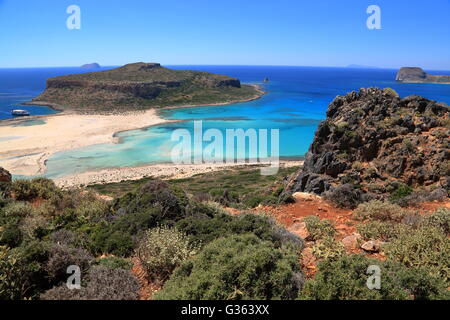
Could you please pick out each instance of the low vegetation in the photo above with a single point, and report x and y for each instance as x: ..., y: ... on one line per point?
x: 192, y: 247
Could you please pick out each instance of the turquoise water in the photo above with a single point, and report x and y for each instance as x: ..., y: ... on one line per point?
x: 296, y: 101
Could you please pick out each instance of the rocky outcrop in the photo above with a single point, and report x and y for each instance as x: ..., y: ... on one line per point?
x: 372, y: 140
x: 5, y: 176
x: 417, y: 75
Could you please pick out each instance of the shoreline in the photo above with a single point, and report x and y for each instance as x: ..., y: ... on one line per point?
x: 162, y: 171
x: 32, y: 146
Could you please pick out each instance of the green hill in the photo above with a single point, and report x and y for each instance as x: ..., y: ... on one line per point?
x: 139, y: 86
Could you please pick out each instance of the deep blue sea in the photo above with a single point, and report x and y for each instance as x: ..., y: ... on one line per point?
x: 296, y: 101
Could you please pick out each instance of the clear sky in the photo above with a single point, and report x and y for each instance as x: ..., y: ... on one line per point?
x: 33, y: 33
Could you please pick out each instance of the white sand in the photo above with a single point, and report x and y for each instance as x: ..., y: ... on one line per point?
x: 27, y: 152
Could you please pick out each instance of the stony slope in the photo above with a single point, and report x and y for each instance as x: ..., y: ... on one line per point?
x: 140, y: 86
x: 373, y: 140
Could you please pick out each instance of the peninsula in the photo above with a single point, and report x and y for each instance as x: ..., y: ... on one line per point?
x: 141, y: 86
x: 417, y: 75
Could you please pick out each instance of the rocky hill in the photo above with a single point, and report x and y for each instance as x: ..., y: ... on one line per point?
x: 417, y: 75
x: 140, y: 86
x: 374, y: 142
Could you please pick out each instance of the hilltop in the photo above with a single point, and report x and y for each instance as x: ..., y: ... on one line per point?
x: 139, y: 86
x: 417, y: 75
x: 374, y: 144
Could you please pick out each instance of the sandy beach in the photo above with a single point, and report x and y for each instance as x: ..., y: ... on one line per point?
x: 24, y: 149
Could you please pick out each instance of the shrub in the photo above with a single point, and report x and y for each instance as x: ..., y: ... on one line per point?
x: 379, y: 210
x: 439, y: 219
x: 346, y: 279
x: 381, y: 230
x: 318, y: 228
x: 344, y: 196
x: 162, y: 250
x: 102, y: 284
x: 426, y: 248
x: 156, y: 194
x: 68, y: 238
x: 236, y: 267
x: 400, y: 193
x: 328, y: 248
x: 205, y: 230
x: 61, y: 257
x: 114, y: 263
x: 28, y: 190
x: 21, y: 273
x: 17, y: 209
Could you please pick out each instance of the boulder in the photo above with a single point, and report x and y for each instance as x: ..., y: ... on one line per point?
x: 352, y: 241
x: 299, y: 229
x: 372, y: 246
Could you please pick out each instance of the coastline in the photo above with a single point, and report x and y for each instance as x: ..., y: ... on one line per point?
x: 29, y: 147
x: 162, y: 171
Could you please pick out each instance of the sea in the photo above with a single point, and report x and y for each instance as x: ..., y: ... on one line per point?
x: 295, y: 103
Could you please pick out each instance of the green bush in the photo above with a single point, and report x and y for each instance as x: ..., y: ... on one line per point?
x: 346, y: 279
x: 236, y: 267
x: 318, y: 228
x: 328, y: 248
x: 379, y: 210
x: 112, y: 262
x: 385, y: 231
x: 17, y: 209
x: 205, y: 230
x: 21, y: 273
x: 426, y: 247
x: 27, y: 190
x: 400, y: 193
x: 439, y: 219
x: 163, y: 249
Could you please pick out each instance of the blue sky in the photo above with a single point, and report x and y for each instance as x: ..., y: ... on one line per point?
x: 33, y: 33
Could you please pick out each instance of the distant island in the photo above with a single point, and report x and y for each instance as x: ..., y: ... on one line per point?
x: 417, y: 75
x: 91, y: 66
x: 140, y: 86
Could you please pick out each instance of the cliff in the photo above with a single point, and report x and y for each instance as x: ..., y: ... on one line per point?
x: 373, y: 141
x: 417, y: 75
x: 141, y: 86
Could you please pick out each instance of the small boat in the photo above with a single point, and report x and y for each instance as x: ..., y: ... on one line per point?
x: 19, y: 113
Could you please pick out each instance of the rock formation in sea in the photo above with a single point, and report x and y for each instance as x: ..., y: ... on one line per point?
x: 91, y: 66
x: 417, y: 75
x: 372, y: 140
